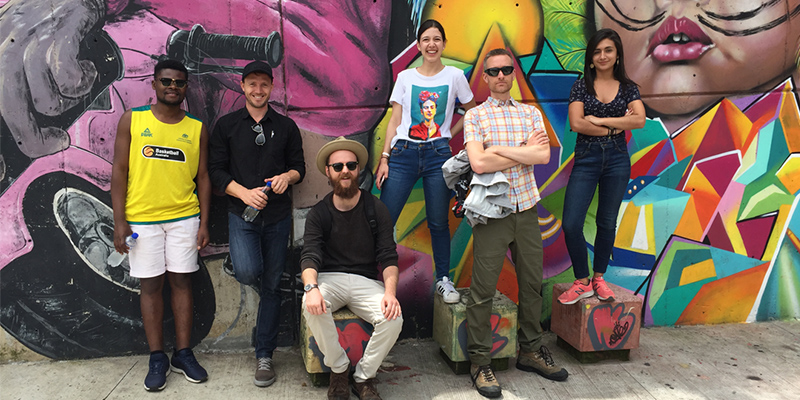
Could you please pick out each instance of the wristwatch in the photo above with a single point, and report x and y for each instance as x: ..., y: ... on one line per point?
x: 310, y: 286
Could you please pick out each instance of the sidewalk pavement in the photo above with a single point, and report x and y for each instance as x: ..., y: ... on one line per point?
x: 736, y: 361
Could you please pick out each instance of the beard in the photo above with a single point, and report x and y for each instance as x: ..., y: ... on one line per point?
x: 345, y: 192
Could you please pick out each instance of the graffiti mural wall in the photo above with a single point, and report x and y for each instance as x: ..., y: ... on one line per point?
x: 708, y: 227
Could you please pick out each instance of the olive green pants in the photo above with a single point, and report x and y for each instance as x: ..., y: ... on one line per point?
x: 518, y: 232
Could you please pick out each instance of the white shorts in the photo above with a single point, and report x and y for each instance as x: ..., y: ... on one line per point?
x: 170, y: 246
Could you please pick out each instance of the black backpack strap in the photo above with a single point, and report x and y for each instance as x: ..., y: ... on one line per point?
x: 325, y: 217
x: 369, y: 209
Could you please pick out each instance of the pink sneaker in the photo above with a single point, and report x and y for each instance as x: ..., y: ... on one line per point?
x: 576, y: 292
x: 601, y: 288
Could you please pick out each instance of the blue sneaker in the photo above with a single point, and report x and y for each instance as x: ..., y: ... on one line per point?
x: 156, y: 378
x: 183, y: 361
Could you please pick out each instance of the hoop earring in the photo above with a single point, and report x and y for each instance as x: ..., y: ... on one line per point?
x: 618, y: 61
x: 591, y: 66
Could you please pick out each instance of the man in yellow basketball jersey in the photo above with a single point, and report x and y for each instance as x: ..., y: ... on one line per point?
x: 159, y: 154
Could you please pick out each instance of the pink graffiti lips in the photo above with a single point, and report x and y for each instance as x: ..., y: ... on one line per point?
x: 679, y: 40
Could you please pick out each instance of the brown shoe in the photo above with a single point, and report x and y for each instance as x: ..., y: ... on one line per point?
x: 366, y: 390
x: 484, y: 380
x: 542, y: 363
x: 265, y: 375
x: 339, y: 388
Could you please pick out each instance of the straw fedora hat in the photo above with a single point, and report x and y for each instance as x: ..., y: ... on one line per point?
x: 341, y: 143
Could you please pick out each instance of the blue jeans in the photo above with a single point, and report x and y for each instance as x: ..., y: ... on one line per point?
x: 258, y: 253
x: 409, y: 162
x: 605, y: 163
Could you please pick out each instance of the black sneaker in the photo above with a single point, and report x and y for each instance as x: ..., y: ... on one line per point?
x: 183, y: 361
x: 156, y: 378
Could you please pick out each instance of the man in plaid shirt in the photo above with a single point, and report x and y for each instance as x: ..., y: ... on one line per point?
x: 504, y: 135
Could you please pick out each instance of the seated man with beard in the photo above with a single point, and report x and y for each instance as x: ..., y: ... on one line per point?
x: 348, y: 240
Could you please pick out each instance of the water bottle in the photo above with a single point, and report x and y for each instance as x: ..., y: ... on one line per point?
x: 250, y: 213
x: 115, y: 259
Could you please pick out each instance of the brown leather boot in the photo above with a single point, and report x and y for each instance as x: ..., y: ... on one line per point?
x: 339, y: 388
x: 366, y: 390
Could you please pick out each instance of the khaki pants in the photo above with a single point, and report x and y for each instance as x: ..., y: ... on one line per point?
x: 363, y: 297
x: 520, y: 233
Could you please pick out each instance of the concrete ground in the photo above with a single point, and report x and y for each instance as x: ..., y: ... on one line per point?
x: 737, y: 361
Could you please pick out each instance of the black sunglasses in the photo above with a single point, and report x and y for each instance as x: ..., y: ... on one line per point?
x: 495, y: 71
x: 351, y: 165
x: 167, y: 82
x: 260, y: 139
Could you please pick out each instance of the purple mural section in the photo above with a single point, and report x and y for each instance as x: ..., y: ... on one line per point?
x: 77, y: 65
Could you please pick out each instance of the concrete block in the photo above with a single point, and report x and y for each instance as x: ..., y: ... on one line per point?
x: 354, y: 334
x: 591, y: 325
x: 450, y: 331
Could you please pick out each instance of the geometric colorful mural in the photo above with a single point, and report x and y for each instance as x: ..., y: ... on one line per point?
x: 705, y: 222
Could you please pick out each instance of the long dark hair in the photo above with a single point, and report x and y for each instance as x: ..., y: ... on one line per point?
x: 430, y: 23
x: 619, y: 69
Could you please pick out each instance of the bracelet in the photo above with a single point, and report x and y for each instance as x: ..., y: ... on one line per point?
x: 385, y: 155
x: 609, y: 131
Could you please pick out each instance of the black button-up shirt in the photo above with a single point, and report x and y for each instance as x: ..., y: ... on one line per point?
x: 233, y: 155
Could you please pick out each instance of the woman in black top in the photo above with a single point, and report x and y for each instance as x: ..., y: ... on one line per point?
x: 603, y: 105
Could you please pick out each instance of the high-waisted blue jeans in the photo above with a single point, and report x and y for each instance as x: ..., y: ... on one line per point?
x: 604, y: 163
x: 409, y: 162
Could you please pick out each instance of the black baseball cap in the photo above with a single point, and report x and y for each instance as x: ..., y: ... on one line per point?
x: 257, y: 66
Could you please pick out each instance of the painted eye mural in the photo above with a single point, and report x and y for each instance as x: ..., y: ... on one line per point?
x: 706, y: 233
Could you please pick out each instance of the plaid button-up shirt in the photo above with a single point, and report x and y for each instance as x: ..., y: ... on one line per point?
x: 510, y: 123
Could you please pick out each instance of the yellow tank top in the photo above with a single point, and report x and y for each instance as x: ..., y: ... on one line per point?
x: 162, y: 166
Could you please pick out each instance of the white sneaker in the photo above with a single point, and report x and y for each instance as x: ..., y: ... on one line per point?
x: 445, y: 288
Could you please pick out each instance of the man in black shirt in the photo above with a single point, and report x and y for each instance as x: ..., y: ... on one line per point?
x: 249, y: 148
x: 348, y: 235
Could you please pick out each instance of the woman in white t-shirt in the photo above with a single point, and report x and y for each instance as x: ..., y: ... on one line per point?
x: 417, y: 143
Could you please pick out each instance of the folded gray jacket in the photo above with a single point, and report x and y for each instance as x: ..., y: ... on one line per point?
x: 488, y: 195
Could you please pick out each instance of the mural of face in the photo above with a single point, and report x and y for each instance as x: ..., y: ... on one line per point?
x: 428, y: 110
x: 257, y: 88
x: 710, y: 47
x: 170, y: 95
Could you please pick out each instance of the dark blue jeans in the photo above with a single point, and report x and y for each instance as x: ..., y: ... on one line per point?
x: 409, y: 162
x: 604, y: 163
x: 258, y: 253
